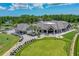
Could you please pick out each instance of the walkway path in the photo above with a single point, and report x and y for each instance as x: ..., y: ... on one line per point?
x: 73, y: 45
x: 28, y: 38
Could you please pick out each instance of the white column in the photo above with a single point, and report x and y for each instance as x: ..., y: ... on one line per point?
x: 53, y: 31
x: 47, y: 31
x: 57, y: 31
x: 61, y: 30
x: 42, y: 31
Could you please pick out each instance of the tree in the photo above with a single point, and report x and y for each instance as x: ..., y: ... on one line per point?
x: 33, y: 18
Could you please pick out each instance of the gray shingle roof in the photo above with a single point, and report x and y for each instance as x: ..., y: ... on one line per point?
x: 22, y: 27
x: 52, y: 24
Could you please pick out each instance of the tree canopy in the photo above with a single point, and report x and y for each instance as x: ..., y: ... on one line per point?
x: 33, y: 18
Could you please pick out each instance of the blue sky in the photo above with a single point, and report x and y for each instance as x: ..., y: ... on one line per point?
x: 16, y: 9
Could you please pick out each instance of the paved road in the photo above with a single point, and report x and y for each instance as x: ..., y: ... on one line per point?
x: 27, y: 38
x: 73, y: 45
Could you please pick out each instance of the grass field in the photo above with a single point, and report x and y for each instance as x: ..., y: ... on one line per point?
x: 48, y: 46
x: 69, y: 35
x: 6, y: 42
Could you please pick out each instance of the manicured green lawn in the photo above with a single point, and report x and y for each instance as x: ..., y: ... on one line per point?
x: 6, y: 42
x: 69, y: 35
x: 48, y: 46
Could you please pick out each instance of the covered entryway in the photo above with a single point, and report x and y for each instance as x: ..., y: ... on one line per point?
x: 50, y: 30
x: 21, y: 32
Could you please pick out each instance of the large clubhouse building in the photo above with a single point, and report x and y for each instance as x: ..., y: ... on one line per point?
x: 45, y: 27
x: 53, y: 26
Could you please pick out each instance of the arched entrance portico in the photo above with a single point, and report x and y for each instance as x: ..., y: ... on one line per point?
x: 50, y: 31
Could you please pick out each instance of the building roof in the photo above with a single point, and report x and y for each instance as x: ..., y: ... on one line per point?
x: 52, y: 24
x: 22, y: 27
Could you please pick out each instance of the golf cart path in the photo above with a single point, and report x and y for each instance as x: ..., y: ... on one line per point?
x: 28, y: 38
x: 73, y: 45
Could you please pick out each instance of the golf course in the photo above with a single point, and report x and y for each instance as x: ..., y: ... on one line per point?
x: 6, y: 42
x: 48, y: 46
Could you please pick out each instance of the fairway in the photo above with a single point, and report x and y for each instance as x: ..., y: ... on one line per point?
x: 48, y: 46
x: 6, y: 42
x: 45, y: 46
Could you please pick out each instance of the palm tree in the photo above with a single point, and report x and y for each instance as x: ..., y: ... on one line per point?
x: 77, y: 28
x: 35, y: 29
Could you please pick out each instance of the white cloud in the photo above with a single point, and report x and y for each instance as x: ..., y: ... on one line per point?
x: 15, y: 6
x: 2, y: 8
x: 38, y: 5
x: 57, y: 4
x: 19, y: 6
x: 64, y: 4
